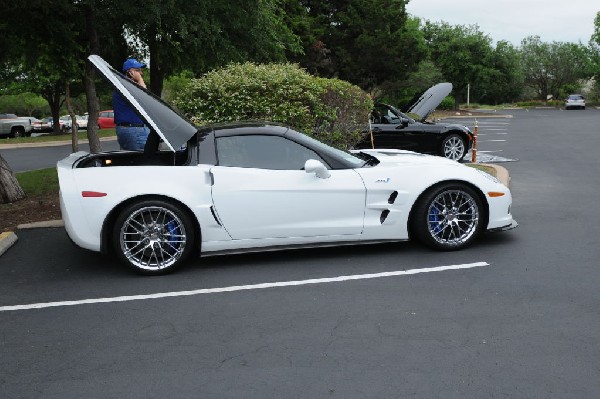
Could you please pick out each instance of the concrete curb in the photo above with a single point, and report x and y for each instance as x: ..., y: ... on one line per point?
x: 41, y: 225
x: 7, y: 239
x: 501, y: 174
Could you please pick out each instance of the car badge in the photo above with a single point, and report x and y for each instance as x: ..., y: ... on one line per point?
x: 383, y: 180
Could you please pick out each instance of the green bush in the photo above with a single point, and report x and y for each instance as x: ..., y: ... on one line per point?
x: 540, y: 103
x: 331, y: 110
x: 447, y: 103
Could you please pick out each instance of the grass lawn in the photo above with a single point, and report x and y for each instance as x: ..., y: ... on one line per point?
x: 40, y: 203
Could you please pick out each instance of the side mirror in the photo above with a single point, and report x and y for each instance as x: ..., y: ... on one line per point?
x: 316, y: 167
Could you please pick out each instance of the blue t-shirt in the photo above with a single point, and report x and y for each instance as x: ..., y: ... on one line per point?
x: 124, y: 113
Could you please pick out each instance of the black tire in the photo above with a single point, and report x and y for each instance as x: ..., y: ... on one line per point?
x: 448, y: 217
x: 453, y: 147
x: 153, y: 237
x: 17, y: 131
x: 67, y: 129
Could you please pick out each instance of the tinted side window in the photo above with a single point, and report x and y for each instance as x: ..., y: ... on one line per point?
x: 263, y: 152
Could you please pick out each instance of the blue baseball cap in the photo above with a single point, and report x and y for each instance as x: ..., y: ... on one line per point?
x: 132, y: 63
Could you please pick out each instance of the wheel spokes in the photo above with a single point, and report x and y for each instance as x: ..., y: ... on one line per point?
x: 454, y: 148
x: 453, y: 217
x: 153, y: 238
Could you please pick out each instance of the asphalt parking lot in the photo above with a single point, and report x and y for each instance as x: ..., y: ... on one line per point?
x: 515, y: 315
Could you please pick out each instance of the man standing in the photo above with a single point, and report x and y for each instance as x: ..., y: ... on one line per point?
x: 131, y: 131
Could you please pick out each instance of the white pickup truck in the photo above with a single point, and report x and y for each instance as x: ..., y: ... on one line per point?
x: 13, y: 126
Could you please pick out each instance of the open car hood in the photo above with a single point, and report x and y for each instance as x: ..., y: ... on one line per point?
x: 173, y: 129
x: 425, y: 103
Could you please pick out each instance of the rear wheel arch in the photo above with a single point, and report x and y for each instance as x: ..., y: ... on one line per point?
x: 111, y: 218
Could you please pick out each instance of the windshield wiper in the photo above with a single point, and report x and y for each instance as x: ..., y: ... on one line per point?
x: 369, y: 159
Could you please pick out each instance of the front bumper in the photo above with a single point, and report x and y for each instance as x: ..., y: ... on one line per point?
x: 504, y: 228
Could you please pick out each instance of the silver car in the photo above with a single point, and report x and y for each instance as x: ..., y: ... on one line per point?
x: 576, y: 101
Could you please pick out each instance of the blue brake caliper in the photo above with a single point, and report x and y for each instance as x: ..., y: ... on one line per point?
x: 434, y: 220
x: 173, y: 232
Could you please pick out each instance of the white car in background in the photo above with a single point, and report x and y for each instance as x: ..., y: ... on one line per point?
x: 575, y: 101
x: 259, y: 186
x: 65, y: 122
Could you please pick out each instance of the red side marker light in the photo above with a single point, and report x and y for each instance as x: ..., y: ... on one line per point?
x: 92, y: 194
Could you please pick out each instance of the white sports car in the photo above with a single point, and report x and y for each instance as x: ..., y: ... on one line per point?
x: 253, y: 186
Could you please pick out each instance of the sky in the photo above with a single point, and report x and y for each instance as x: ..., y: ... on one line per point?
x: 513, y: 20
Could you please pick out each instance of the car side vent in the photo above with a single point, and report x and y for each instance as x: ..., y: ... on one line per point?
x: 384, y: 215
x: 212, y: 210
x: 393, y: 197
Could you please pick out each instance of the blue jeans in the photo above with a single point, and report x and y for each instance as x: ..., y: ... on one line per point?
x: 132, y: 138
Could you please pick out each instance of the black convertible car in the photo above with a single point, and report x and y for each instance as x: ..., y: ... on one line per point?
x: 393, y: 129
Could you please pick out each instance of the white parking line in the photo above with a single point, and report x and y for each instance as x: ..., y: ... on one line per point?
x: 241, y: 287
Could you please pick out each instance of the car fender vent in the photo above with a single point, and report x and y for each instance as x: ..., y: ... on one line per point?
x: 384, y: 215
x: 393, y: 197
x: 214, y: 214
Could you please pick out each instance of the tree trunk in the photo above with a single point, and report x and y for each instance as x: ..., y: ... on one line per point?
x: 10, y: 190
x: 74, y: 126
x: 457, y: 99
x: 53, y: 96
x: 88, y: 81
x: 157, y: 74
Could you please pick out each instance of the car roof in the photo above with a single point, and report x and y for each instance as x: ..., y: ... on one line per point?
x: 249, y: 128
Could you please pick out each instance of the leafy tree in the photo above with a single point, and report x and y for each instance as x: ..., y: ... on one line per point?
x: 371, y: 43
x: 402, y: 92
x: 463, y: 54
x: 552, y: 67
x: 504, y: 81
x: 201, y: 35
x: 594, y: 47
x: 48, y: 63
x: 25, y: 104
x: 596, y: 34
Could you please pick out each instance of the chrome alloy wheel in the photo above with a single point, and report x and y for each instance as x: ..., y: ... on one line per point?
x: 454, y: 148
x: 152, y: 238
x: 452, y: 217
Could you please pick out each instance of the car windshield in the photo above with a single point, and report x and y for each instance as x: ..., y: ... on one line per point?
x: 394, y: 116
